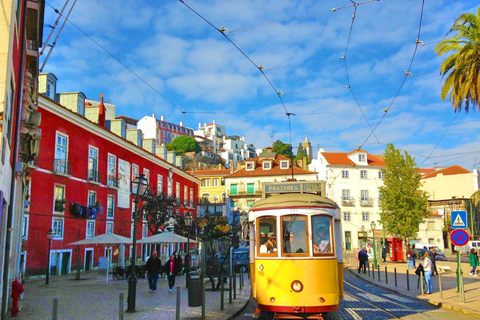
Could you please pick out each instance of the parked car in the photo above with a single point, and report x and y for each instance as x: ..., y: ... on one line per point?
x: 440, y: 256
x: 241, y: 259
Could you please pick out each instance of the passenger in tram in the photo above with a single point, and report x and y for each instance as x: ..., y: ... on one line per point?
x: 292, y: 243
x: 322, y: 241
x: 271, y: 242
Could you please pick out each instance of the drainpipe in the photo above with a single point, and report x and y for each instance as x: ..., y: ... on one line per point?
x: 16, y: 144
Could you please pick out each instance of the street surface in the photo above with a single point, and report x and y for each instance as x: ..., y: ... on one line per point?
x: 363, y: 300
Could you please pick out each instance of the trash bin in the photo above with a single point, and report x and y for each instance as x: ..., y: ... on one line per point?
x: 195, y: 292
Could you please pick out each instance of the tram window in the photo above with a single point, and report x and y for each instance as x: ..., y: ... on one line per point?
x: 294, y: 234
x: 267, y: 235
x: 322, y: 238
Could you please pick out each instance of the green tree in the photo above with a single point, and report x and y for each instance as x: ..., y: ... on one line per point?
x: 300, y: 152
x: 184, y: 144
x: 462, y: 68
x: 159, y: 209
x: 404, y: 204
x: 282, y: 148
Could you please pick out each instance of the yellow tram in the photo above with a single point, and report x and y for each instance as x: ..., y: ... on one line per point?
x: 296, y: 261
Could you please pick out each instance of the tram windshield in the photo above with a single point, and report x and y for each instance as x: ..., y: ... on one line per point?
x: 294, y: 234
x: 321, y: 230
x: 267, y: 235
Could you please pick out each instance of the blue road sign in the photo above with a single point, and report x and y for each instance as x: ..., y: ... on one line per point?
x: 459, y: 219
x: 459, y: 237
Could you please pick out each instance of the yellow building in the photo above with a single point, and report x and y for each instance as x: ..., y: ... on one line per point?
x: 212, y: 187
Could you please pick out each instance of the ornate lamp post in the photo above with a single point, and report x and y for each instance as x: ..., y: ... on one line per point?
x: 50, y: 234
x: 139, y: 188
x: 373, y: 225
x: 188, y: 224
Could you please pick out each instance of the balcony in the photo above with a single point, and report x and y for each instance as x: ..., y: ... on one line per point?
x: 113, y: 182
x: 367, y: 202
x: 243, y: 193
x: 62, y: 167
x: 348, y: 202
x: 60, y: 205
x: 93, y: 176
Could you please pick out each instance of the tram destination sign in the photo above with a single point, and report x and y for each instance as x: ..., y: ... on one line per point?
x: 294, y: 187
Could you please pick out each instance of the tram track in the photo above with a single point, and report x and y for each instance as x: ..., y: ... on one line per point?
x: 376, y: 306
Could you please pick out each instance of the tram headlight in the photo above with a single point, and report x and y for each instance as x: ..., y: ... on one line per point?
x: 272, y: 299
x: 297, y: 286
x: 321, y: 299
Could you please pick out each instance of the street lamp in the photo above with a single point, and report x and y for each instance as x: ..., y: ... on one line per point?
x: 50, y: 234
x: 139, y: 188
x: 188, y: 224
x: 373, y: 225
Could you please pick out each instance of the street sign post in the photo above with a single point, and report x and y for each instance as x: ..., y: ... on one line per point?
x: 459, y: 219
x: 459, y: 238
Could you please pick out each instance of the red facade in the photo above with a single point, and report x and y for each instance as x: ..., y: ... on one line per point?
x: 50, y: 175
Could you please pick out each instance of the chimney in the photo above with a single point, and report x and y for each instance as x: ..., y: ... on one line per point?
x: 101, y: 112
x: 162, y: 118
x: 153, y: 115
x: 199, y: 125
x: 181, y: 123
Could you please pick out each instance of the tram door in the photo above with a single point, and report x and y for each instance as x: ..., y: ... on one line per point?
x: 348, y: 240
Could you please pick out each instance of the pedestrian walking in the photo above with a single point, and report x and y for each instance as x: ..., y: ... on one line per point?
x: 384, y: 251
x: 362, y: 258
x: 170, y: 271
x: 178, y: 264
x: 428, y: 271
x: 432, y: 254
x: 473, y: 259
x: 414, y: 255
x: 410, y: 258
x: 153, y: 268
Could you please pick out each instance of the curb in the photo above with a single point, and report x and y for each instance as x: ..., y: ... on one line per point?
x: 434, y: 303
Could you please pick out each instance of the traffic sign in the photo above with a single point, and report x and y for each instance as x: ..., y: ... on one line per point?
x: 459, y: 219
x: 459, y: 237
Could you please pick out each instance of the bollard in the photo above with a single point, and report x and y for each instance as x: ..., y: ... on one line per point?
x: 55, y: 309
x: 440, y: 285
x: 221, y: 294
x: 421, y: 283
x: 234, y: 285
x: 241, y: 279
x: 179, y: 296
x: 368, y: 267
x: 378, y: 270
x: 462, y: 294
x: 395, y: 274
x: 120, y: 306
x: 386, y: 275
x: 230, y: 287
x: 408, y: 281
x: 203, y: 299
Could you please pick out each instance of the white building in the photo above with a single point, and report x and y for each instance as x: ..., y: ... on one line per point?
x: 213, y: 132
x: 352, y: 180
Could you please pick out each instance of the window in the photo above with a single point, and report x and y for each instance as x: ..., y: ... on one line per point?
x: 28, y: 184
x: 159, y: 184
x: 60, y: 164
x: 346, y: 216
x: 215, y: 182
x: 267, y: 165
x: 109, y: 227
x: 112, y: 171
x: 216, y: 198
x: 233, y: 204
x: 59, y: 199
x: 185, y: 195
x: 380, y: 196
x: 206, y: 196
x: 81, y: 105
x: 364, y: 195
x: 90, y: 233
x: 146, y: 173
x: 233, y: 189
x: 135, y: 173
x: 206, y: 183
x: 284, y: 164
x: 191, y: 197
x: 25, y: 227
x: 346, y: 195
x: 144, y: 230
x: 431, y: 241
x: 250, y: 203
x: 365, y: 216
x: 430, y: 225
x: 345, y: 174
x: 51, y: 88
x: 110, y: 206
x: 170, y: 182
x: 222, y: 181
x: 58, y: 228
x: 250, y: 166
x: 92, y: 199
x: 363, y: 174
x: 294, y: 235
x: 322, y: 235
x: 92, y: 164
x: 267, y: 236
x: 177, y: 190
x: 250, y: 188
x: 380, y: 174
x: 361, y: 157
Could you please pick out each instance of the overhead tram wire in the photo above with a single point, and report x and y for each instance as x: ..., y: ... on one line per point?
x: 407, y: 72
x: 126, y: 67
x: 299, y: 17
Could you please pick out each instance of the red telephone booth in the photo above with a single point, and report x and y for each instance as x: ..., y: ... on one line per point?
x: 396, y: 249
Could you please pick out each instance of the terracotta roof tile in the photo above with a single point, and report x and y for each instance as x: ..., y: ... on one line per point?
x: 447, y: 172
x: 341, y: 158
x: 222, y: 172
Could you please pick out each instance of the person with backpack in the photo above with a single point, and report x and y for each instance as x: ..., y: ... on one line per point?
x: 362, y: 258
x: 473, y: 259
x: 428, y: 271
x: 410, y: 259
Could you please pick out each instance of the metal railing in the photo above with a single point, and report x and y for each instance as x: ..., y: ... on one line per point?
x: 62, y: 167
x: 113, y: 182
x: 368, y: 202
x: 348, y: 202
x: 93, y: 175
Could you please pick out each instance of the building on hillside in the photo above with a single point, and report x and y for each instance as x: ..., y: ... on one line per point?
x: 163, y: 132
x: 244, y: 186
x: 21, y: 34
x: 80, y: 187
x: 352, y: 181
x: 449, y: 189
x: 213, y: 132
x: 212, y: 186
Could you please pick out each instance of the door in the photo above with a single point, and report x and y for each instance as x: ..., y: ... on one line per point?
x: 348, y: 240
x: 88, y: 259
x: 54, y: 262
x: 65, y: 263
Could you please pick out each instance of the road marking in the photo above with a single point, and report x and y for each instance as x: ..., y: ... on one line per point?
x: 372, y: 297
x: 397, y: 297
x: 348, y: 297
x: 355, y: 315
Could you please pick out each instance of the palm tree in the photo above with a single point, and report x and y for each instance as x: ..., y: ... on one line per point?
x: 462, y: 68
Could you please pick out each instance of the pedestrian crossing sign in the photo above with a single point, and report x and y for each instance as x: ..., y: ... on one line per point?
x: 459, y: 219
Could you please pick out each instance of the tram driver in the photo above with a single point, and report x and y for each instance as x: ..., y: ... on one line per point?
x: 322, y: 242
x: 271, y: 242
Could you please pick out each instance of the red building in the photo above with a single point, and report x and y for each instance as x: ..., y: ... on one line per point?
x: 79, y: 185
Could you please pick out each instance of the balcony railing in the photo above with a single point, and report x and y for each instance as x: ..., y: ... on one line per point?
x: 348, y: 201
x: 368, y: 202
x: 93, y: 176
x: 60, y: 205
x: 62, y: 167
x: 113, y: 182
x: 379, y: 202
x: 243, y: 192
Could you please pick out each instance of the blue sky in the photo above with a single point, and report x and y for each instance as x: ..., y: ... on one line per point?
x: 300, y: 43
